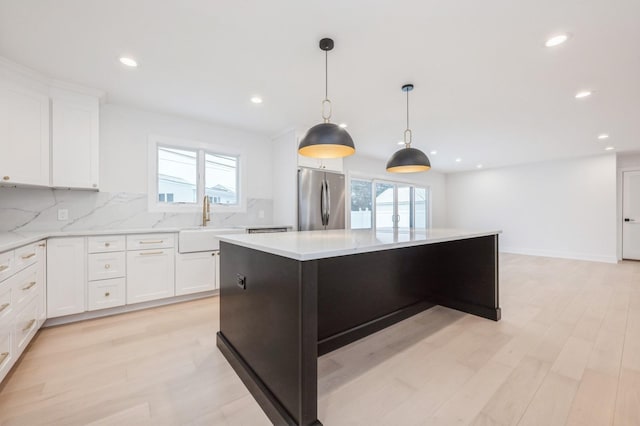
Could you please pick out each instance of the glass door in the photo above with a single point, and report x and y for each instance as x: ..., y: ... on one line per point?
x: 400, y: 206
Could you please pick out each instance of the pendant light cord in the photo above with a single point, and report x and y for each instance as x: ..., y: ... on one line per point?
x: 407, y: 132
x: 326, y: 74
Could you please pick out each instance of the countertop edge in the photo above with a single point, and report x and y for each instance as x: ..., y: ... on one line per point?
x: 356, y: 250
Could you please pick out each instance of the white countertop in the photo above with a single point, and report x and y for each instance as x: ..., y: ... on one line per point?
x: 11, y: 240
x: 309, y: 245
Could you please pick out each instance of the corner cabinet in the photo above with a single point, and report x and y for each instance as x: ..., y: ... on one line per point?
x: 24, y: 135
x: 66, y: 276
x: 74, y: 140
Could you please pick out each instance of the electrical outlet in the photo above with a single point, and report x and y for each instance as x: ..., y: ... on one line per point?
x: 63, y: 214
x: 261, y: 214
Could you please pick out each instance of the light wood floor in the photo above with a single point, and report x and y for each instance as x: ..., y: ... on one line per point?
x: 566, y: 352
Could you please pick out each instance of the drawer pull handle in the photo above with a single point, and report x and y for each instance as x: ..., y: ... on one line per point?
x: 27, y: 256
x: 152, y: 242
x: 4, y: 306
x: 3, y: 356
x: 42, y: 245
x: 29, y: 325
x: 107, y: 294
x: 149, y: 253
x: 107, y: 244
x: 31, y: 284
x: 4, y: 267
x: 107, y: 266
x: 6, y: 177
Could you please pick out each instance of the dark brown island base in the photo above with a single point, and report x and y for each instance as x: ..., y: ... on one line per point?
x: 286, y: 299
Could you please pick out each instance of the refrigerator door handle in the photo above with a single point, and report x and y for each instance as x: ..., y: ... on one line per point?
x: 322, y: 208
x: 328, y: 204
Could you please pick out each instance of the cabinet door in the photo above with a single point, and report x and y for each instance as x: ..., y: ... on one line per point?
x: 150, y: 275
x: 42, y: 279
x: 66, y: 276
x: 24, y: 136
x: 195, y: 272
x: 74, y: 156
x: 332, y: 164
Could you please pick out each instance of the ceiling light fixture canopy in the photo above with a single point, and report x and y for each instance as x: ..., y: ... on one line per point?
x: 326, y: 140
x: 407, y: 159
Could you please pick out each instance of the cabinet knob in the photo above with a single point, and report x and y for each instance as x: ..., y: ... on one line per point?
x: 95, y: 185
x: 6, y: 178
x: 107, y: 294
x: 107, y: 244
x: 107, y: 266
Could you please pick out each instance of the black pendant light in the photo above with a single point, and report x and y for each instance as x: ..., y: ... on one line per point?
x: 407, y: 159
x: 326, y: 140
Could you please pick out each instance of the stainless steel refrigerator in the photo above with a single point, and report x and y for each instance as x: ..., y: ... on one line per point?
x: 321, y: 198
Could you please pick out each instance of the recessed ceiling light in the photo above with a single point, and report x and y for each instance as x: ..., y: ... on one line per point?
x: 401, y: 143
x: 128, y: 62
x: 256, y: 100
x: 458, y: 160
x: 610, y: 148
x: 603, y: 136
x: 583, y: 94
x: 556, y: 40
x: 434, y: 152
x: 343, y: 125
x: 479, y: 166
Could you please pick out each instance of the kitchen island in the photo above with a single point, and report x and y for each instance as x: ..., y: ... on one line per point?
x: 287, y: 298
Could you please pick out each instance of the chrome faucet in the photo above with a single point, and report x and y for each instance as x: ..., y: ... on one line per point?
x: 206, y: 211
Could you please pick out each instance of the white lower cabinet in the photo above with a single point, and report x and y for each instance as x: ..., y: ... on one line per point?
x: 150, y: 274
x: 66, y: 276
x: 196, y: 272
x: 106, y: 294
x: 21, y: 297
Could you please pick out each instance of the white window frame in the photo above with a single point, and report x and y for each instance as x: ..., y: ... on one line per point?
x: 384, y: 179
x: 201, y: 148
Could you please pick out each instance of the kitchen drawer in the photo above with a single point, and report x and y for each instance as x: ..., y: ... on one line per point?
x: 26, y: 325
x: 103, y: 266
x: 25, y: 256
x: 25, y: 286
x: 6, y: 305
x: 149, y: 241
x: 107, y: 293
x: 6, y: 265
x: 6, y: 352
x: 106, y: 243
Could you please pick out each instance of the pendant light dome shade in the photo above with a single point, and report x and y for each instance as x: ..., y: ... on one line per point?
x: 407, y: 159
x: 326, y: 140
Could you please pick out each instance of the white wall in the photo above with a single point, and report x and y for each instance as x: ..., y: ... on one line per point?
x: 285, y: 179
x: 124, y: 135
x: 561, y: 208
x: 359, y: 165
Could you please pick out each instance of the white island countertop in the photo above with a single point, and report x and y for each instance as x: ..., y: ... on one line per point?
x: 310, y: 245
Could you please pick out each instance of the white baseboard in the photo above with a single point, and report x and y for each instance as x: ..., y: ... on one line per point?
x: 126, y: 308
x: 560, y: 254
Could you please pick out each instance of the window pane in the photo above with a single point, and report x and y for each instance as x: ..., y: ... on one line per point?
x: 404, y: 206
x: 384, y: 205
x: 221, y: 178
x: 177, y: 175
x: 420, y: 208
x: 361, y: 204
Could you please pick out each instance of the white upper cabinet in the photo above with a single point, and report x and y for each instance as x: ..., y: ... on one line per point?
x: 74, y: 141
x: 24, y: 135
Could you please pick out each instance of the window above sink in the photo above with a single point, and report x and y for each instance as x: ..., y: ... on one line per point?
x: 182, y: 172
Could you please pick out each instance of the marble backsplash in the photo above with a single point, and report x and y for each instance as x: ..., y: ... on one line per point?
x: 27, y: 209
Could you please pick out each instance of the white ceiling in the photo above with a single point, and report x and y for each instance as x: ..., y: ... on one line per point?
x: 487, y: 90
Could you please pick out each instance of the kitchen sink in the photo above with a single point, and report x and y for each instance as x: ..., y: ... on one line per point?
x: 203, y: 239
